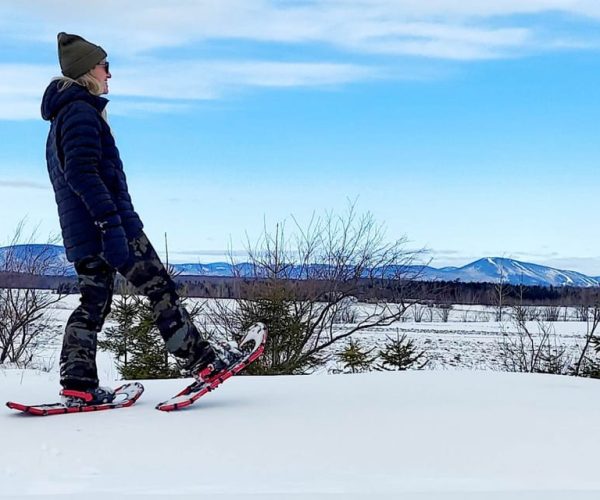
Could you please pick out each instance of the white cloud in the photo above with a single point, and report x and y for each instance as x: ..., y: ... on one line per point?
x: 22, y: 184
x: 385, y: 32
x: 22, y: 85
x: 21, y: 89
x: 468, y: 8
x: 413, y: 27
x: 16, y: 108
x: 208, y: 80
x: 128, y: 107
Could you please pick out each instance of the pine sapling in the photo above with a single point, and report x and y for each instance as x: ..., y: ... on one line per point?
x: 355, y: 358
x: 401, y: 353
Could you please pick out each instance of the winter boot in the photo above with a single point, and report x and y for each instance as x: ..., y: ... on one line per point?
x: 97, y: 396
x: 227, y: 355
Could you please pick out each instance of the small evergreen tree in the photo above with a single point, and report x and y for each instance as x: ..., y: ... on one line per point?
x: 136, y: 342
x: 589, y: 367
x: 117, y: 338
x: 401, y: 353
x: 355, y: 358
x: 284, y: 353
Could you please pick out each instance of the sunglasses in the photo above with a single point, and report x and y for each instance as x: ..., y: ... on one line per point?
x: 106, y: 65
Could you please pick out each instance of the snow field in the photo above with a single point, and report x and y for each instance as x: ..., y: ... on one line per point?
x: 468, y: 340
x: 427, y: 434
x: 418, y: 435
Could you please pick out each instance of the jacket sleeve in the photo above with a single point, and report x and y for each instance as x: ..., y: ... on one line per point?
x: 82, y: 151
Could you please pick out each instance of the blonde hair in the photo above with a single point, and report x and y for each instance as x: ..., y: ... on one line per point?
x: 87, y: 80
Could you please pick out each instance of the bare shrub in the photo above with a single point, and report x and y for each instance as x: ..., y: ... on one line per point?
x: 347, y: 312
x: 25, y: 322
x: 533, y: 313
x: 582, y: 313
x: 519, y: 313
x: 533, y: 352
x: 551, y: 313
x: 483, y: 316
x: 418, y: 312
x: 465, y: 316
x: 587, y: 365
x: 299, y: 285
x: 443, y: 311
x: 429, y: 313
x: 500, y: 294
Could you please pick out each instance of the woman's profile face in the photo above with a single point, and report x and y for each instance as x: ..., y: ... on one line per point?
x: 101, y: 73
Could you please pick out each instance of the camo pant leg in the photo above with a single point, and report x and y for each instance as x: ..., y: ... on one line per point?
x: 78, y: 356
x: 146, y: 273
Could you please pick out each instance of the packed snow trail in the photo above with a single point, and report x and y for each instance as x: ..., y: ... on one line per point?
x: 416, y: 435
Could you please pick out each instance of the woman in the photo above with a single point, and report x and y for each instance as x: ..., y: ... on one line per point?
x: 102, y: 233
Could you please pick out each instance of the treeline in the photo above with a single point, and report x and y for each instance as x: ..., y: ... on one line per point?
x: 493, y: 294
x: 442, y: 292
x: 438, y: 292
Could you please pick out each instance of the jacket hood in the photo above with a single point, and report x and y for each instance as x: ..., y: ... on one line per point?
x: 53, y: 100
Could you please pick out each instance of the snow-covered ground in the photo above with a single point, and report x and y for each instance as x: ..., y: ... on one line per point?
x: 418, y: 435
x: 437, y: 434
x: 469, y: 339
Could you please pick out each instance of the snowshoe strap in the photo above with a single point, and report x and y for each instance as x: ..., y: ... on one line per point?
x: 86, y: 396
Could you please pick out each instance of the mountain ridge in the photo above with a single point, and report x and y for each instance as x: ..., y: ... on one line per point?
x: 485, y: 269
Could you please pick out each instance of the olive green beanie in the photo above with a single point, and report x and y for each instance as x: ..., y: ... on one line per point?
x: 77, y: 56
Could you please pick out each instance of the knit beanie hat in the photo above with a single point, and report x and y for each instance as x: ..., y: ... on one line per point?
x: 77, y: 56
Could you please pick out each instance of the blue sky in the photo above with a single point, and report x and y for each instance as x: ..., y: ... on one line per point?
x: 469, y: 127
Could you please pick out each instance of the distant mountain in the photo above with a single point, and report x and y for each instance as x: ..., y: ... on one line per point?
x: 493, y: 269
x: 51, y: 257
x: 489, y: 269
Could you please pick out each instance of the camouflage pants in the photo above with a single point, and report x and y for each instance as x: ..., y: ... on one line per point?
x: 146, y: 273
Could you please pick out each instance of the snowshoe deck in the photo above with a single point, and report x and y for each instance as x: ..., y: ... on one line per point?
x: 257, y: 334
x: 125, y: 396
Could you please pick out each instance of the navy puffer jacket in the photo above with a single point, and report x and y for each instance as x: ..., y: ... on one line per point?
x: 94, y: 206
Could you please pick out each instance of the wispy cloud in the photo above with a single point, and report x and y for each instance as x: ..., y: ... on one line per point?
x: 239, y: 253
x: 207, y: 256
x: 209, y: 80
x: 128, y: 107
x: 436, y: 28
x: 349, y: 41
x: 20, y: 184
x: 21, y: 88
